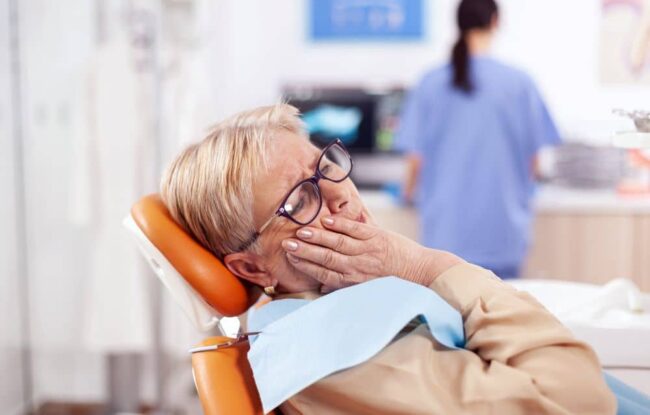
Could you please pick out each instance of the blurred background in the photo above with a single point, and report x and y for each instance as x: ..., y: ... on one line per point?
x: 96, y: 96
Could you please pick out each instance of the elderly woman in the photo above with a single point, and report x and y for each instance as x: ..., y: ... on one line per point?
x: 284, y: 215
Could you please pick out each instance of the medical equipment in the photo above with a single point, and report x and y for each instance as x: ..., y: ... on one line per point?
x: 634, y: 139
x: 641, y: 119
x: 584, y: 166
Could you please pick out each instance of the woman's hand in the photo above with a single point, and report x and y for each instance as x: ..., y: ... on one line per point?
x: 348, y: 252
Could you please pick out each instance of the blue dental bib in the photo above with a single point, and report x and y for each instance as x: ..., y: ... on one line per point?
x: 304, y: 341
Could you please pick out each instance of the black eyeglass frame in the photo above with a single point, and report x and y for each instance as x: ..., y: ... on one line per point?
x: 314, y: 179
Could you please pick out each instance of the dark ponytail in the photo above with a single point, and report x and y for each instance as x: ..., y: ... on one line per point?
x: 472, y: 14
x: 460, y: 60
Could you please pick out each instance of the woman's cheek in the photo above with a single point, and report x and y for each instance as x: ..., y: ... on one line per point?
x: 292, y: 279
x: 370, y: 219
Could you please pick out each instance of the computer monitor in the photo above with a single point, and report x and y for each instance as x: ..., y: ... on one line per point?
x: 365, y: 120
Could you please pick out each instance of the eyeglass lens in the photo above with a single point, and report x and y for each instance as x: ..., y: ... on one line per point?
x: 304, y: 202
x: 335, y: 164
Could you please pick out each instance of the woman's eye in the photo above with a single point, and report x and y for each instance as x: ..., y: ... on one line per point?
x: 326, y: 168
x: 298, y: 206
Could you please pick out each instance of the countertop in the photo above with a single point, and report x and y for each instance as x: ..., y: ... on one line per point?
x: 567, y: 200
x: 548, y: 199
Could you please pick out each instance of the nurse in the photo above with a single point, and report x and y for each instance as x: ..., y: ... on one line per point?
x: 471, y: 130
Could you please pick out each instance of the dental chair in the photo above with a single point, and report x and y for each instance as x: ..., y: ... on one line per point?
x: 207, y: 292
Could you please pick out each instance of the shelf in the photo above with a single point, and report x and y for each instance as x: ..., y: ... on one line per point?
x: 631, y: 139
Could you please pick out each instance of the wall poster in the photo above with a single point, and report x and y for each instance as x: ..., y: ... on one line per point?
x: 366, y: 20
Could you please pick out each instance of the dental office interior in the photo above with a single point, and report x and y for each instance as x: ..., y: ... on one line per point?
x: 98, y: 96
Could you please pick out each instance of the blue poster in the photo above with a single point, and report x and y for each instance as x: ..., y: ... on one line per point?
x: 366, y: 20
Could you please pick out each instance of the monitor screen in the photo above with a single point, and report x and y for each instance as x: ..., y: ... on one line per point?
x: 362, y: 120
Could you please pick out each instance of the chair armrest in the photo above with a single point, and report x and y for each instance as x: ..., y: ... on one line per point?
x: 224, y: 379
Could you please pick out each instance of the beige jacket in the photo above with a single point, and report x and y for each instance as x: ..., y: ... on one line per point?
x: 519, y: 360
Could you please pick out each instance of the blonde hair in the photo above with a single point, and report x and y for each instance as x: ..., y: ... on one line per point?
x: 208, y: 187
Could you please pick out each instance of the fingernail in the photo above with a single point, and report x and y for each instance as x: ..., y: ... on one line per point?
x: 290, y: 245
x: 305, y: 233
x: 328, y: 221
x: 292, y: 259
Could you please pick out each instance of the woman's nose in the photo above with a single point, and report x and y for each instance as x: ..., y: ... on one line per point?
x: 335, y: 195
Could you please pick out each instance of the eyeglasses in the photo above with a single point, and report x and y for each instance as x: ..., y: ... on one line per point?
x: 304, y: 202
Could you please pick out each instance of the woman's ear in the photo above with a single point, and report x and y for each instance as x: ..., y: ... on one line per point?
x: 249, y: 267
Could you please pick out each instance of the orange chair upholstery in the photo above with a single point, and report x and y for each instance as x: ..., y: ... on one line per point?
x: 224, y: 379
x: 223, y: 376
x: 202, y: 270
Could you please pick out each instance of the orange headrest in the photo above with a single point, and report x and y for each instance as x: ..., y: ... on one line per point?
x: 203, y: 271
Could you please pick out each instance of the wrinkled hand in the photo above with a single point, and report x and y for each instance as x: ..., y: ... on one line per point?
x: 349, y: 252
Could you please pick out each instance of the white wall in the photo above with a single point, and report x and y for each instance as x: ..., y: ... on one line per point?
x: 264, y: 44
x: 558, y: 43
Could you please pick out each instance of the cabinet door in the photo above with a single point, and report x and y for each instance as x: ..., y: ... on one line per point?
x: 551, y: 252
x: 583, y: 247
x: 642, y: 252
x: 605, y: 246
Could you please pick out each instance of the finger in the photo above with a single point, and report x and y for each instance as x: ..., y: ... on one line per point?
x: 349, y: 227
x: 326, y: 289
x: 338, y: 242
x: 323, y: 256
x: 332, y: 279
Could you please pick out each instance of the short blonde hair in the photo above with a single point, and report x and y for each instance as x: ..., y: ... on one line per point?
x: 208, y: 187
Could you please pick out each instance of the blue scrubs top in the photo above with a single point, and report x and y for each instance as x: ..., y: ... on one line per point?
x: 476, y: 182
